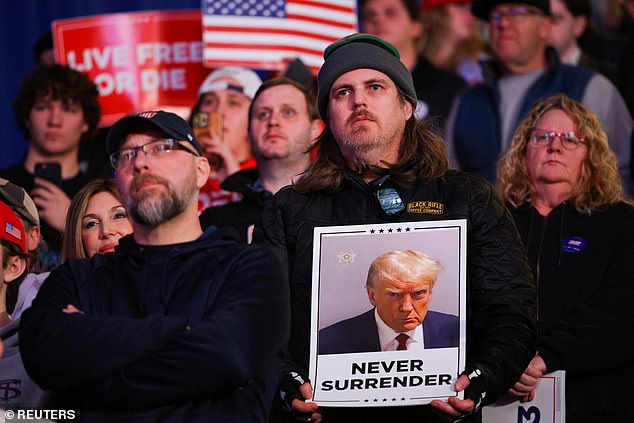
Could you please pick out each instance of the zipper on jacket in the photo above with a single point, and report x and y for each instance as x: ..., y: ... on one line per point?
x: 539, y: 259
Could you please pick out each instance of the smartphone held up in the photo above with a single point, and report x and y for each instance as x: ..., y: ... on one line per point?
x: 205, y: 124
x: 50, y: 171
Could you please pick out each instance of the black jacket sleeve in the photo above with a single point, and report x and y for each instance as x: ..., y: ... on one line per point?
x: 243, y: 331
x: 60, y: 349
x: 502, y: 329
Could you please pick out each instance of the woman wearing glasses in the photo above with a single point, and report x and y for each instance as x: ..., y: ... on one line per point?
x: 96, y: 220
x: 561, y: 183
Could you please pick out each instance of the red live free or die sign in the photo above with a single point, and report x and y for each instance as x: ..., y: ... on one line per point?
x: 139, y: 61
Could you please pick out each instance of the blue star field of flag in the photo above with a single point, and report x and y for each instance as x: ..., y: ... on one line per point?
x: 254, y: 8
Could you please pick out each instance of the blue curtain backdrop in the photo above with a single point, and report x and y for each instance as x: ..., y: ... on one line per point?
x: 22, y: 22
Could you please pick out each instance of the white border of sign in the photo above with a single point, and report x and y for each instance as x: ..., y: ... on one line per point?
x: 549, y: 405
x: 341, y: 258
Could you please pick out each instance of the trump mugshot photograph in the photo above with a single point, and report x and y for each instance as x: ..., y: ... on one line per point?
x: 400, y: 288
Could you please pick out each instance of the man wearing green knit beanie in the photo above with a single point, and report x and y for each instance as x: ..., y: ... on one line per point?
x: 375, y: 164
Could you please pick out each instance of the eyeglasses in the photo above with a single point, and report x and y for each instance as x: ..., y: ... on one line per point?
x: 389, y: 199
x: 154, y: 150
x: 544, y: 137
x: 512, y: 14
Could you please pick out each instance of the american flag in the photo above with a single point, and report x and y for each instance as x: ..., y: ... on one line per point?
x: 262, y: 33
x: 12, y: 230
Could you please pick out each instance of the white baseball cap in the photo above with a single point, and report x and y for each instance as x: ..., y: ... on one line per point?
x: 249, y: 81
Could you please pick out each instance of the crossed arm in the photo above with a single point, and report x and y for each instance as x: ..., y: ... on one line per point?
x: 155, y: 360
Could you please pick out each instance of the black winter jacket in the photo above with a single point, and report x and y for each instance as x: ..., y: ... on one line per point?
x: 238, y: 217
x: 583, y: 266
x: 501, y: 326
x: 180, y: 333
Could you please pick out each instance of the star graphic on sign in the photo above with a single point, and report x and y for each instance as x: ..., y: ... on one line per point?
x: 393, y: 399
x: 398, y: 229
x: 376, y: 400
x: 366, y: 400
x: 384, y: 399
x: 390, y: 230
x: 380, y: 230
x: 407, y: 229
x: 402, y: 399
x: 372, y: 231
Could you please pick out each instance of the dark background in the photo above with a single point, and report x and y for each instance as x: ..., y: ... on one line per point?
x: 22, y: 22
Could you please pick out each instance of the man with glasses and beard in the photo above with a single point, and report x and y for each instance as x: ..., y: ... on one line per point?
x: 178, y: 324
x: 377, y: 164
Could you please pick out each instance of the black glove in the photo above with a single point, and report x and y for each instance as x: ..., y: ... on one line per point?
x: 289, y: 391
x: 476, y: 391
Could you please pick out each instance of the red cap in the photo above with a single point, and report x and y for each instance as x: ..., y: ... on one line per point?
x: 11, y: 227
x: 431, y: 4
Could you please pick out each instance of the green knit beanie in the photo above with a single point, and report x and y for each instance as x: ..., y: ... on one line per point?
x: 361, y: 51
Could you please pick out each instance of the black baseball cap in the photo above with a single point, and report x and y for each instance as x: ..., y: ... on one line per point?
x: 170, y: 123
x: 482, y: 8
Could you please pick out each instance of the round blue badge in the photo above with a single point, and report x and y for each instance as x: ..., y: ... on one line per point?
x: 574, y: 244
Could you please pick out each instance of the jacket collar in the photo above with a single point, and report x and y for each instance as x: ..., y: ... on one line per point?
x: 492, y: 69
x: 210, y: 237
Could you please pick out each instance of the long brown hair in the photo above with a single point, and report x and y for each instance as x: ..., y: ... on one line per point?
x: 72, y: 245
x: 422, y: 156
x: 599, y: 183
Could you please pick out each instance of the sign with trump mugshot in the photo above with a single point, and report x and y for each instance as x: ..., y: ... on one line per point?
x: 388, y: 324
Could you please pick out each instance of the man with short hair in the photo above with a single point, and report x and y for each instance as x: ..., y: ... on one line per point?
x: 524, y: 72
x: 375, y: 163
x: 177, y: 324
x: 283, y: 125
x: 400, y: 286
x: 226, y: 93
x: 399, y: 23
x: 570, y: 20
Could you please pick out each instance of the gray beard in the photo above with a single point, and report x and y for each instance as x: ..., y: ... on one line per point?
x: 152, y: 210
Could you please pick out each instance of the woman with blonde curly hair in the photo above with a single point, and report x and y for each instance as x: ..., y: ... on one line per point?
x: 560, y: 181
x: 96, y: 220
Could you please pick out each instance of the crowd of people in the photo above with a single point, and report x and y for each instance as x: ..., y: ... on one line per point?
x: 166, y: 275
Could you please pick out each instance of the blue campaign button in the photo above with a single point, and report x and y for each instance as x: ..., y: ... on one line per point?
x: 574, y: 244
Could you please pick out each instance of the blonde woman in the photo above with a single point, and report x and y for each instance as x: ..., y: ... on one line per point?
x: 560, y: 181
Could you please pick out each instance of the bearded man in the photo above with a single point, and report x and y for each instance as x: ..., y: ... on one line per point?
x: 177, y: 324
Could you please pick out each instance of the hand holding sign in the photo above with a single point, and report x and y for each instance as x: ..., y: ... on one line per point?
x: 454, y: 407
x: 548, y: 404
x: 525, y: 387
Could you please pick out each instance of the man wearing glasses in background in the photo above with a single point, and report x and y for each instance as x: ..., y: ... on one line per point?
x: 178, y: 324
x: 377, y: 164
x: 524, y: 71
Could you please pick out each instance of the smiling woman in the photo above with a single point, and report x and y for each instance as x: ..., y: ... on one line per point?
x: 96, y: 221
